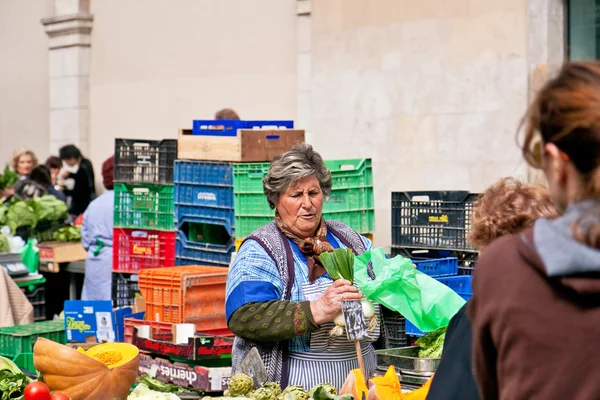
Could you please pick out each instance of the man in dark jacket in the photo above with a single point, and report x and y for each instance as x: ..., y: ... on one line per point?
x: 504, y: 209
x: 78, y: 179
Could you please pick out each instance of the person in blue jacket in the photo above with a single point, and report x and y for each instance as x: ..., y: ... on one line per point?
x: 96, y: 238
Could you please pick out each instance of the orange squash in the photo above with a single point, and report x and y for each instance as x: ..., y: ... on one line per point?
x: 419, y: 394
x: 355, y: 385
x: 385, y: 387
x: 104, y: 372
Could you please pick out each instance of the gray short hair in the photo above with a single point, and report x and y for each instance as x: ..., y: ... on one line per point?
x: 301, y: 161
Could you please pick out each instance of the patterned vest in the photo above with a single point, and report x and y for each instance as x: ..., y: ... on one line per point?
x: 274, y: 355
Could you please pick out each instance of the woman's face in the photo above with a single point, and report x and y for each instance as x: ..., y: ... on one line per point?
x: 25, y: 165
x: 301, y: 206
x: 54, y: 174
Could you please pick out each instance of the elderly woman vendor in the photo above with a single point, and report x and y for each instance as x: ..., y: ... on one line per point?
x: 279, y: 297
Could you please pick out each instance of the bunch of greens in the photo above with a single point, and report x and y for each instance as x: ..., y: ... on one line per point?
x: 67, y: 234
x: 49, y: 208
x: 159, y: 386
x: 2, y: 215
x: 20, y: 214
x: 4, y: 245
x: 12, y: 380
x: 432, y: 344
x: 8, y: 178
x: 339, y: 264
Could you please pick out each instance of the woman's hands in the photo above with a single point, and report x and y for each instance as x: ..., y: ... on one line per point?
x: 330, y: 303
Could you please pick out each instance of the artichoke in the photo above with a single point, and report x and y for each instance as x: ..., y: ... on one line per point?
x: 323, y: 388
x: 239, y: 385
x: 273, y: 387
x: 296, y: 393
x: 262, y: 393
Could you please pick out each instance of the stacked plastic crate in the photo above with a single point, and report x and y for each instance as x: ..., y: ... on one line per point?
x: 351, y: 201
x: 144, y: 228
x: 431, y: 228
x: 204, y: 188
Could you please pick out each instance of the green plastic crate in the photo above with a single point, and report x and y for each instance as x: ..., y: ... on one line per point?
x: 350, y: 173
x: 144, y: 206
x: 247, y: 178
x: 25, y: 361
x: 362, y: 221
x: 352, y: 199
x: 15, y: 340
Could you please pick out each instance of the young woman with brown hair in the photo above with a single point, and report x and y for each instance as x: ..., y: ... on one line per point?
x: 535, y: 308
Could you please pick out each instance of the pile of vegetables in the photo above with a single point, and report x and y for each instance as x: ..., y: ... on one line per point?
x: 242, y: 387
x: 340, y: 265
x: 67, y: 234
x: 385, y: 387
x: 432, y: 344
x: 12, y: 380
x: 30, y: 213
x: 8, y: 178
x: 4, y: 245
x: 104, y: 372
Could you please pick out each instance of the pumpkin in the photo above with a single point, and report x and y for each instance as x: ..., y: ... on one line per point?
x: 385, y: 387
x: 419, y: 394
x: 355, y: 385
x: 104, y: 372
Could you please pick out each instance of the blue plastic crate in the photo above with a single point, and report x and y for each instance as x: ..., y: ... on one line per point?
x: 205, y: 215
x: 206, y: 127
x: 203, y: 184
x: 438, y: 267
x: 460, y: 284
x: 191, y: 253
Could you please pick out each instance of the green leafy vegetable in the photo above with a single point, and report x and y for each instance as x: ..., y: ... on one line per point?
x: 20, y: 214
x: 49, y: 208
x: 2, y: 215
x: 339, y: 264
x: 67, y: 234
x: 4, y: 245
x: 159, y: 386
x: 432, y: 344
x: 12, y: 380
x: 8, y: 178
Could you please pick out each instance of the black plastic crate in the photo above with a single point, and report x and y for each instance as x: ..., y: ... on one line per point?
x: 124, y: 289
x: 434, y: 220
x: 37, y: 298
x: 466, y: 259
x: 145, y: 161
x: 393, y: 330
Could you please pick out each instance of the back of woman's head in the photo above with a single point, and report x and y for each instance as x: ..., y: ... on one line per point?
x: 566, y: 113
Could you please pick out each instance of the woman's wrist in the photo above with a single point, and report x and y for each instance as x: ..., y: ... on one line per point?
x: 317, y: 311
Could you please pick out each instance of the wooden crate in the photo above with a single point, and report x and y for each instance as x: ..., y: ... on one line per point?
x: 256, y: 145
x: 54, y: 253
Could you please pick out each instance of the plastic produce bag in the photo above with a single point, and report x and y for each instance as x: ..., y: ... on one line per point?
x: 31, y: 256
x: 15, y: 243
x: 397, y: 285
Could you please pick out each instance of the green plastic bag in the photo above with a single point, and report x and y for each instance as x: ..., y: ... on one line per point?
x: 422, y: 300
x: 30, y: 256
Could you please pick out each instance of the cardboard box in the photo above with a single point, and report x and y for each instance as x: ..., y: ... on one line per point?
x: 95, y: 321
x: 253, y: 145
x: 208, y: 379
x: 54, y: 253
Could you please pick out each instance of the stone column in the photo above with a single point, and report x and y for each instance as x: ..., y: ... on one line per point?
x: 545, y: 50
x: 69, y: 32
x: 303, y: 67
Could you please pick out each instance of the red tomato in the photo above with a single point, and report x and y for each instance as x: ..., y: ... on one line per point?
x: 59, y: 396
x: 37, y: 391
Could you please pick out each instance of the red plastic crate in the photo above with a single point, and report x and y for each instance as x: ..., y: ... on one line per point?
x: 137, y: 249
x: 192, y: 294
x: 164, y: 328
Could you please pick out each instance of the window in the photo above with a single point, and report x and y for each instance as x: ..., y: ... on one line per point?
x: 584, y: 29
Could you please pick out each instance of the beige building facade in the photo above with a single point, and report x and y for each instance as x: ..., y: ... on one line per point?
x: 433, y: 91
